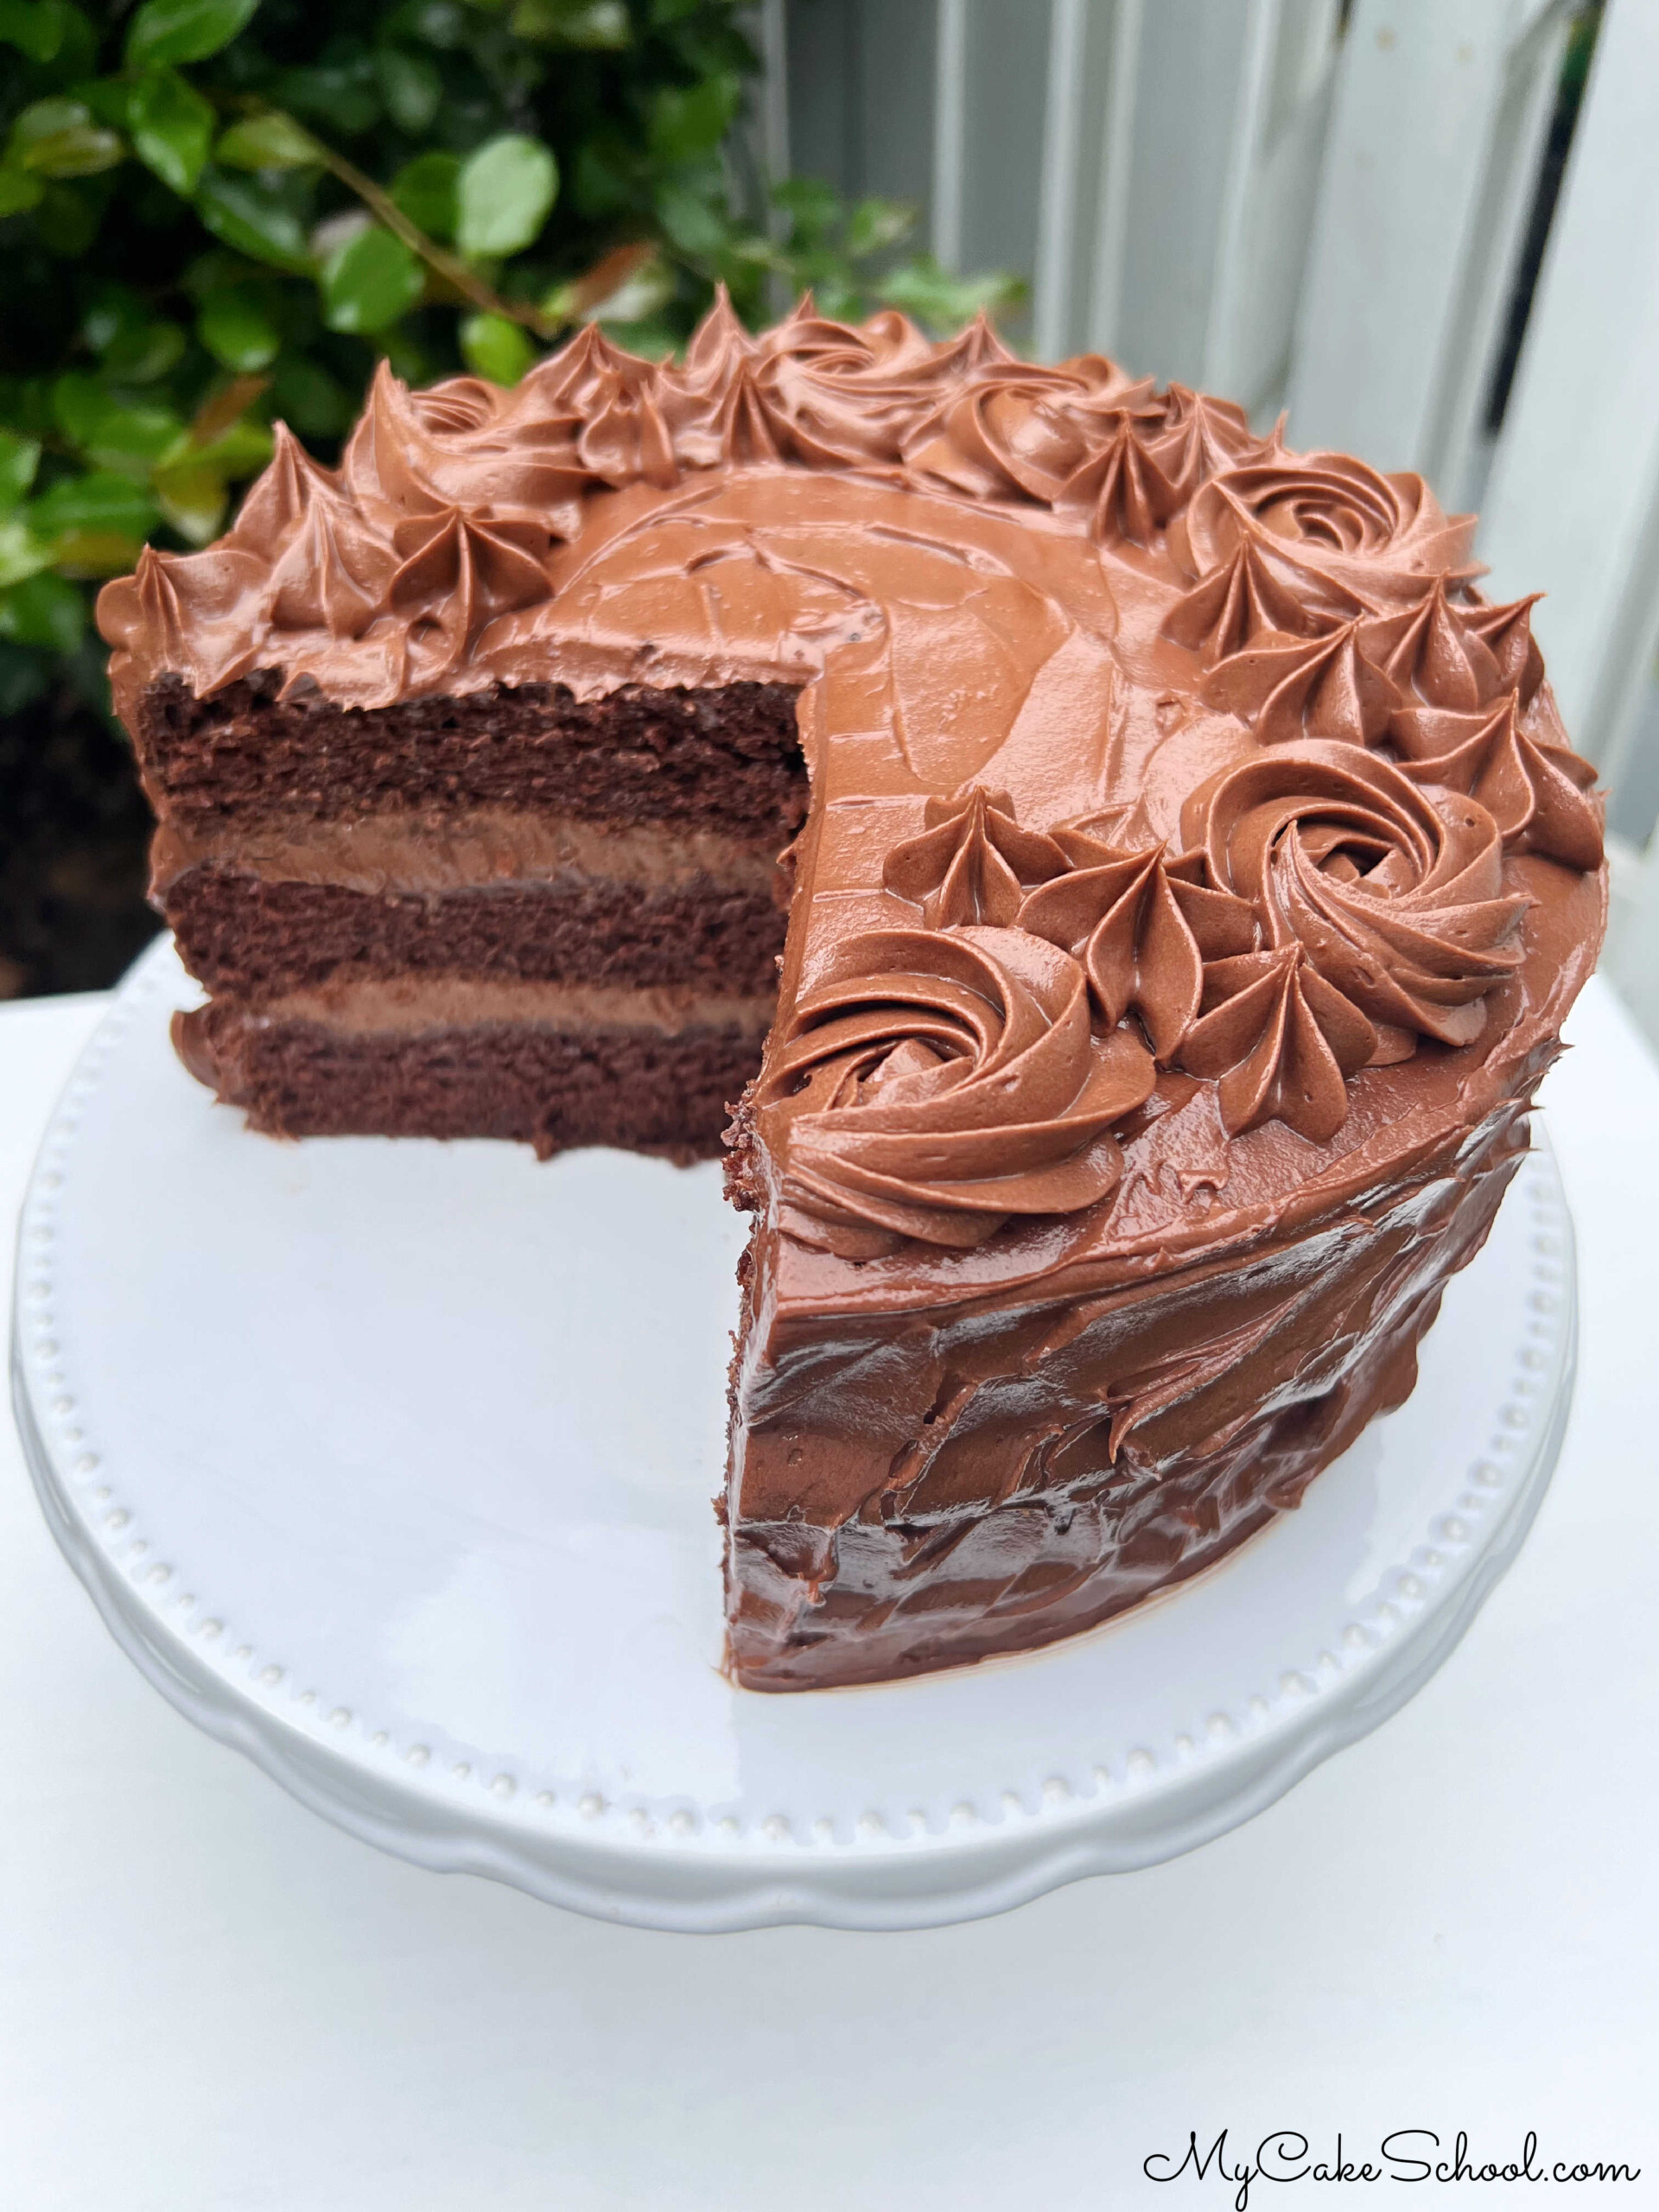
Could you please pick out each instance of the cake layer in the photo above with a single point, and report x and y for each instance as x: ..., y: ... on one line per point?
x: 630, y: 1083
x: 726, y: 758
x: 239, y: 933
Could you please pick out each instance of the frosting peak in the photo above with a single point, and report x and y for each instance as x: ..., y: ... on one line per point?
x: 972, y: 862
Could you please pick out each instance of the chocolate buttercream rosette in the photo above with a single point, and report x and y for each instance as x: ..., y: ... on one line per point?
x: 934, y: 1084
x: 1328, y: 596
x: 1344, y: 539
x: 1385, y: 919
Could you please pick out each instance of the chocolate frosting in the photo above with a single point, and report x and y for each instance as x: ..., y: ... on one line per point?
x: 1143, y: 748
x: 932, y: 1084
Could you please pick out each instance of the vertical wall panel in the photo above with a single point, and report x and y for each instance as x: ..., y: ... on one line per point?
x: 1433, y: 150
x: 1280, y: 130
x: 1186, y: 93
x: 861, y: 95
x: 1112, y: 170
x: 1574, y: 504
x: 1004, y: 116
x: 1056, y: 262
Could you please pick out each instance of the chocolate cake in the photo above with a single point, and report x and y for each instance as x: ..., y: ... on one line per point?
x: 1125, y: 876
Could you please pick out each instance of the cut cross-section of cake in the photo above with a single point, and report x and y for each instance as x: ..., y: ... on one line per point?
x: 1186, y: 876
x: 513, y: 914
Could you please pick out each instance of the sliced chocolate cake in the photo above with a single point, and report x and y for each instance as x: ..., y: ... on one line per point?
x: 499, y: 907
x: 1189, y: 873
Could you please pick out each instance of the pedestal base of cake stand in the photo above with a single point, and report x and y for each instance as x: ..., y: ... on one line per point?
x: 390, y: 1464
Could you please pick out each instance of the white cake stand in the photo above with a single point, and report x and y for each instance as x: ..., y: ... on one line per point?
x: 390, y: 1464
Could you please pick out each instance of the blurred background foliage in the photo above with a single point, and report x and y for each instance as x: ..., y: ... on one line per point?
x: 217, y: 213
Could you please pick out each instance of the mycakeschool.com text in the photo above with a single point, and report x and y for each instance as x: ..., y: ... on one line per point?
x: 1407, y: 2154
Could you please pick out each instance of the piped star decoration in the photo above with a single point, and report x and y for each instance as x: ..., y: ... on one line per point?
x: 1537, y: 791
x: 973, y: 862
x: 1280, y: 1041
x: 1142, y: 923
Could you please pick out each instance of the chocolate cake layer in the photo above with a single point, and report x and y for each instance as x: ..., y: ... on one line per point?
x: 251, y: 937
x: 551, y: 1087
x: 726, y: 757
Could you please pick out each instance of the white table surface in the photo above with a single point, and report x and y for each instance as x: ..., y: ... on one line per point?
x: 210, y: 2000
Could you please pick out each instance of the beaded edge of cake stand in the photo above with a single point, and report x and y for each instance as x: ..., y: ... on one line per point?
x: 89, y: 1498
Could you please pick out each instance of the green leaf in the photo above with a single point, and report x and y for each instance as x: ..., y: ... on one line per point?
x: 411, y: 86
x: 503, y: 195
x: 689, y: 120
x: 115, y: 308
x: 44, y: 611
x: 874, y: 224
x: 441, y: 24
x: 248, y: 217
x: 370, y: 282
x: 21, y: 553
x: 98, y: 504
x: 79, y: 404
x: 141, y: 356
x: 76, y: 58
x: 18, y: 190
x: 343, y: 95
x: 112, y: 433
x: 193, y: 497
x: 184, y: 30
x: 67, y: 218
x: 19, y: 459
x: 238, y: 332
x: 650, y: 340
x: 109, y: 98
x: 811, y: 206
x: 600, y: 25
x: 692, y: 221
x: 61, y: 138
x: 492, y: 347
x: 33, y: 27
x: 172, y: 128
x: 304, y: 395
x: 135, y: 345
x: 943, y: 301
x: 239, y: 451
x: 425, y: 190
x: 135, y: 438
x: 271, y: 141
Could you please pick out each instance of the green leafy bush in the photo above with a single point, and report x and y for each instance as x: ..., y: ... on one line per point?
x: 213, y: 212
